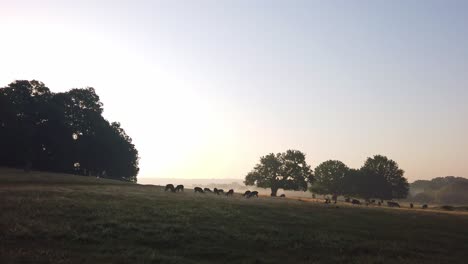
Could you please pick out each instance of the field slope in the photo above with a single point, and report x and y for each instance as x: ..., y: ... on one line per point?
x: 52, y: 218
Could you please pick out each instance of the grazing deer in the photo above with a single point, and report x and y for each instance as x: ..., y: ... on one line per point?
x: 424, y: 206
x: 179, y: 188
x: 220, y: 191
x: 207, y: 190
x: 283, y: 195
x: 393, y: 204
x: 198, y: 189
x: 252, y: 194
x: 354, y: 201
x: 169, y: 187
x: 230, y: 192
x: 246, y: 194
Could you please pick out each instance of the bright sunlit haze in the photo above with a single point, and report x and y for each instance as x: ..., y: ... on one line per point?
x: 205, y: 88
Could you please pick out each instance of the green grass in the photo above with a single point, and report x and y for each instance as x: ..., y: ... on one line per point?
x: 52, y: 218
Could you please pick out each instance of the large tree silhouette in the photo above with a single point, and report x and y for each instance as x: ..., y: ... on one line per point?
x: 62, y: 132
x: 330, y: 178
x: 287, y: 170
x: 381, y: 177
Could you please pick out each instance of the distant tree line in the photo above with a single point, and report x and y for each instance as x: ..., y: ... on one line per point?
x: 440, y: 190
x: 379, y: 177
x: 62, y: 132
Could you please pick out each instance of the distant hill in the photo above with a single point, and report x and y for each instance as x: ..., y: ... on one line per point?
x: 440, y: 190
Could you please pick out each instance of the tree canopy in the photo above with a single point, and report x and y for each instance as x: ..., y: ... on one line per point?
x: 63, y: 132
x: 379, y: 177
x: 329, y: 177
x: 383, y: 178
x: 287, y: 170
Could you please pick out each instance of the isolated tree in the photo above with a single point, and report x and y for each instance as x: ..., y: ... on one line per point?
x: 381, y: 177
x: 329, y: 178
x: 287, y: 170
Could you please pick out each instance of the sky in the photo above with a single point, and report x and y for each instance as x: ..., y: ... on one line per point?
x: 205, y: 88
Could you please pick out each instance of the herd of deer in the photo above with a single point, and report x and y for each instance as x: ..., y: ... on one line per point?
x: 249, y: 194
x: 379, y: 203
x: 180, y: 188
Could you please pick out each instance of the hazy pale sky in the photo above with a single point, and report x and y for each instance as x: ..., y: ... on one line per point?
x: 205, y: 88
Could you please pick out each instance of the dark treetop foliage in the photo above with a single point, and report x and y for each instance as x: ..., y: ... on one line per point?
x: 381, y: 177
x: 63, y: 132
x: 287, y: 170
x: 329, y: 178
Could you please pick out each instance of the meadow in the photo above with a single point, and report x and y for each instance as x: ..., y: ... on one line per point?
x: 54, y: 218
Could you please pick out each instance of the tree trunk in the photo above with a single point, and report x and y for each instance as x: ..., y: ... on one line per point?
x: 274, y: 190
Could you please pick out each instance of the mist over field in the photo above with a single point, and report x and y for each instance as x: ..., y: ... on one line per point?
x: 441, y: 191
x: 226, y: 184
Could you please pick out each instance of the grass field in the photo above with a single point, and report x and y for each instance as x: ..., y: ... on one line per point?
x: 51, y: 218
